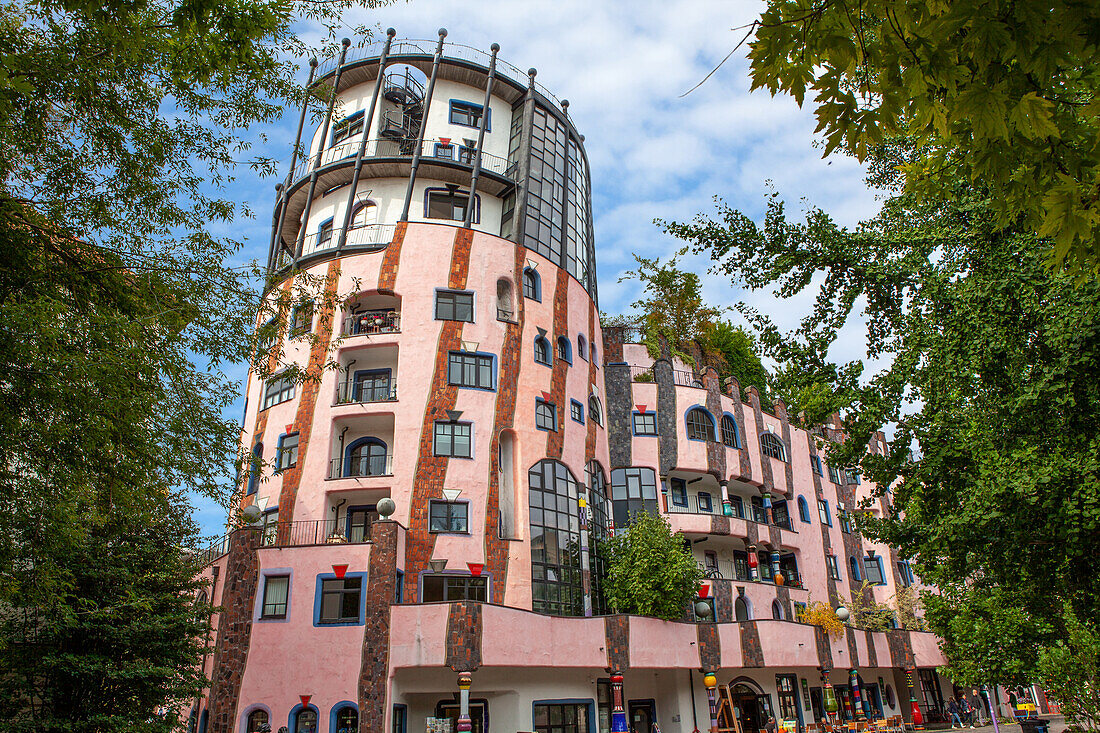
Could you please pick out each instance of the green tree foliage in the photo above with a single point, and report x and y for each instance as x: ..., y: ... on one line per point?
x: 1070, y: 672
x: 650, y: 570
x: 985, y: 361
x: 117, y: 313
x: 738, y: 351
x: 998, y: 94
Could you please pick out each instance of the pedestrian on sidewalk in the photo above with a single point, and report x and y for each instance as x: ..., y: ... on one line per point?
x: 953, y: 711
x: 978, y: 704
x: 966, y: 713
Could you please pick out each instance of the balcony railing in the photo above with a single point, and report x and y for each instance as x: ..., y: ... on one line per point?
x: 739, y: 571
x: 371, y: 236
x: 386, y: 147
x: 308, y: 532
x: 359, y: 467
x: 756, y: 514
x: 361, y: 393
x: 641, y: 373
x: 373, y: 321
x: 687, y: 379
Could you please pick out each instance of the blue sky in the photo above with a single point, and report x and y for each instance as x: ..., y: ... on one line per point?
x: 653, y: 153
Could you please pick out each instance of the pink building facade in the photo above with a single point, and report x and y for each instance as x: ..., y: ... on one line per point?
x: 431, y: 497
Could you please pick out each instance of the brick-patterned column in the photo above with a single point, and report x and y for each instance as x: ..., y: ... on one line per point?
x: 387, y: 273
x: 716, y: 450
x: 743, y: 469
x: 752, y: 653
x: 431, y: 470
x: 464, y: 630
x: 307, y: 403
x: 556, y: 438
x: 504, y: 417
x: 666, y: 412
x: 710, y: 646
x: 242, y: 574
x: 616, y: 631
x: 373, y: 691
x: 590, y: 435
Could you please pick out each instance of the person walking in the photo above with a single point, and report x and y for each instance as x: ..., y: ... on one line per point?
x: 966, y: 714
x: 953, y: 711
x: 978, y: 704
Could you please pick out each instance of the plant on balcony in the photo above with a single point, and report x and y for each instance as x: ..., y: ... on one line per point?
x: 650, y: 571
x: 823, y: 615
x: 866, y: 612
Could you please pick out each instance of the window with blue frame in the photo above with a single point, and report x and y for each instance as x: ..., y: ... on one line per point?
x: 645, y: 423
x: 853, y: 569
x: 324, y: 235
x: 700, y: 424
x: 276, y: 596
x: 677, y: 490
x: 348, y: 127
x: 582, y: 347
x: 468, y: 114
x: 803, y: 510
x: 815, y: 463
x: 340, y: 600
x: 771, y: 445
x: 346, y: 719
x: 823, y: 512
x: 576, y: 411
x: 546, y: 417
x: 287, y: 454
x: 276, y: 390
x: 834, y: 475
x: 565, y: 350
x: 834, y: 569
x: 737, y: 505
x: 872, y: 564
x: 705, y: 502
x: 445, y: 151
x: 905, y: 573
x: 845, y: 522
x: 532, y: 286
x: 542, y: 351
x: 254, y: 467
x: 729, y: 432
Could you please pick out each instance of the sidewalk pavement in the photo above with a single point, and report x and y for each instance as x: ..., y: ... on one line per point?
x: 1057, y: 724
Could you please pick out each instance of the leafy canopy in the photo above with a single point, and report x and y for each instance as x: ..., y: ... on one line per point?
x: 650, y: 570
x: 997, y: 94
x: 985, y: 362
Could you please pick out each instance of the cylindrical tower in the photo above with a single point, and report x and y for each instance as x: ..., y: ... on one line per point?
x: 460, y: 334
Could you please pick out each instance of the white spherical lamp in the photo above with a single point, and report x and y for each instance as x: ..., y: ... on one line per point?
x: 842, y: 613
x: 385, y: 507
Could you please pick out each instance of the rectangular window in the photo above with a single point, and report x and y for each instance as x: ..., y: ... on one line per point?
x: 324, y: 235
x: 276, y: 593
x: 834, y: 569
x: 678, y: 491
x: 467, y: 114
x: 561, y: 718
x: 447, y: 516
x: 705, y: 503
x: 453, y: 439
x: 786, y: 686
x: 448, y: 205
x: 740, y: 565
x: 905, y: 575
x: 276, y: 390
x: 872, y: 566
x: 287, y: 455
x: 823, y: 512
x: 269, y: 530
x: 815, y: 462
x: 455, y: 588
x: 340, y: 600
x: 454, y: 305
x: 302, y: 320
x: 546, y: 415
x: 470, y: 370
x: 576, y: 411
x: 845, y: 521
x: 350, y: 126
x: 851, y: 476
x: 445, y: 151
x: 645, y: 423
x: 764, y: 565
x: 834, y: 475
x: 738, y: 506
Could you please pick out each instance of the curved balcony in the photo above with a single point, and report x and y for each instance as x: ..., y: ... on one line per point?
x: 461, y: 63
x: 442, y: 159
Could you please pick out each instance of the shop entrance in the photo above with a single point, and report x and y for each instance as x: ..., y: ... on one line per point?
x: 750, y: 707
x: 642, y: 713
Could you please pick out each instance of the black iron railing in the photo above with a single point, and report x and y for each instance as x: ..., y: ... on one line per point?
x: 372, y: 321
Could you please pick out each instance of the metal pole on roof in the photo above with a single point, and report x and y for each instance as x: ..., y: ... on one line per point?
x: 423, y: 123
x: 471, y: 204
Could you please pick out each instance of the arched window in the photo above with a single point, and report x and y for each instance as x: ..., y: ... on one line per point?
x: 803, y: 510
x: 546, y: 417
x: 592, y: 350
x: 555, y: 539
x: 254, y: 467
x: 582, y: 346
x: 729, y: 432
x: 506, y: 310
x: 255, y: 719
x: 700, y: 424
x: 595, y: 410
x: 565, y: 350
x: 853, y: 564
x: 303, y: 720
x: 741, y: 610
x: 366, y: 457
x: 777, y: 610
x: 346, y: 719
x: 364, y: 214
x: 542, y: 351
x: 532, y: 286
x: 773, y: 446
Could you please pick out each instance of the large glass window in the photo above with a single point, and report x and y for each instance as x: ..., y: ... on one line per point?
x: 448, y: 516
x: 340, y: 600
x: 454, y: 305
x: 276, y: 593
x: 305, y: 721
x: 633, y: 490
x: 453, y: 439
x: 700, y: 425
x: 368, y: 459
x: 599, y: 530
x: 449, y: 205
x: 455, y: 588
x: 375, y: 385
x: 556, y: 580
x: 470, y: 370
x: 786, y: 686
x: 561, y: 718
x: 276, y: 390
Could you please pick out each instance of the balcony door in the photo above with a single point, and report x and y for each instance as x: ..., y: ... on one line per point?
x: 372, y: 386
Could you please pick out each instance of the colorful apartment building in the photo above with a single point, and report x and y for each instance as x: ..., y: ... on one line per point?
x: 430, y: 504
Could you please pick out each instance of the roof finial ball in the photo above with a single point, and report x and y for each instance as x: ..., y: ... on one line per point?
x: 565, y: 106
x: 442, y: 32
x: 313, y: 62
x: 391, y: 32
x: 532, y: 71
x: 495, y: 47
x: 346, y: 42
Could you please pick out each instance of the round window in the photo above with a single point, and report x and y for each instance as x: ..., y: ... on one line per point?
x: 889, y: 695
